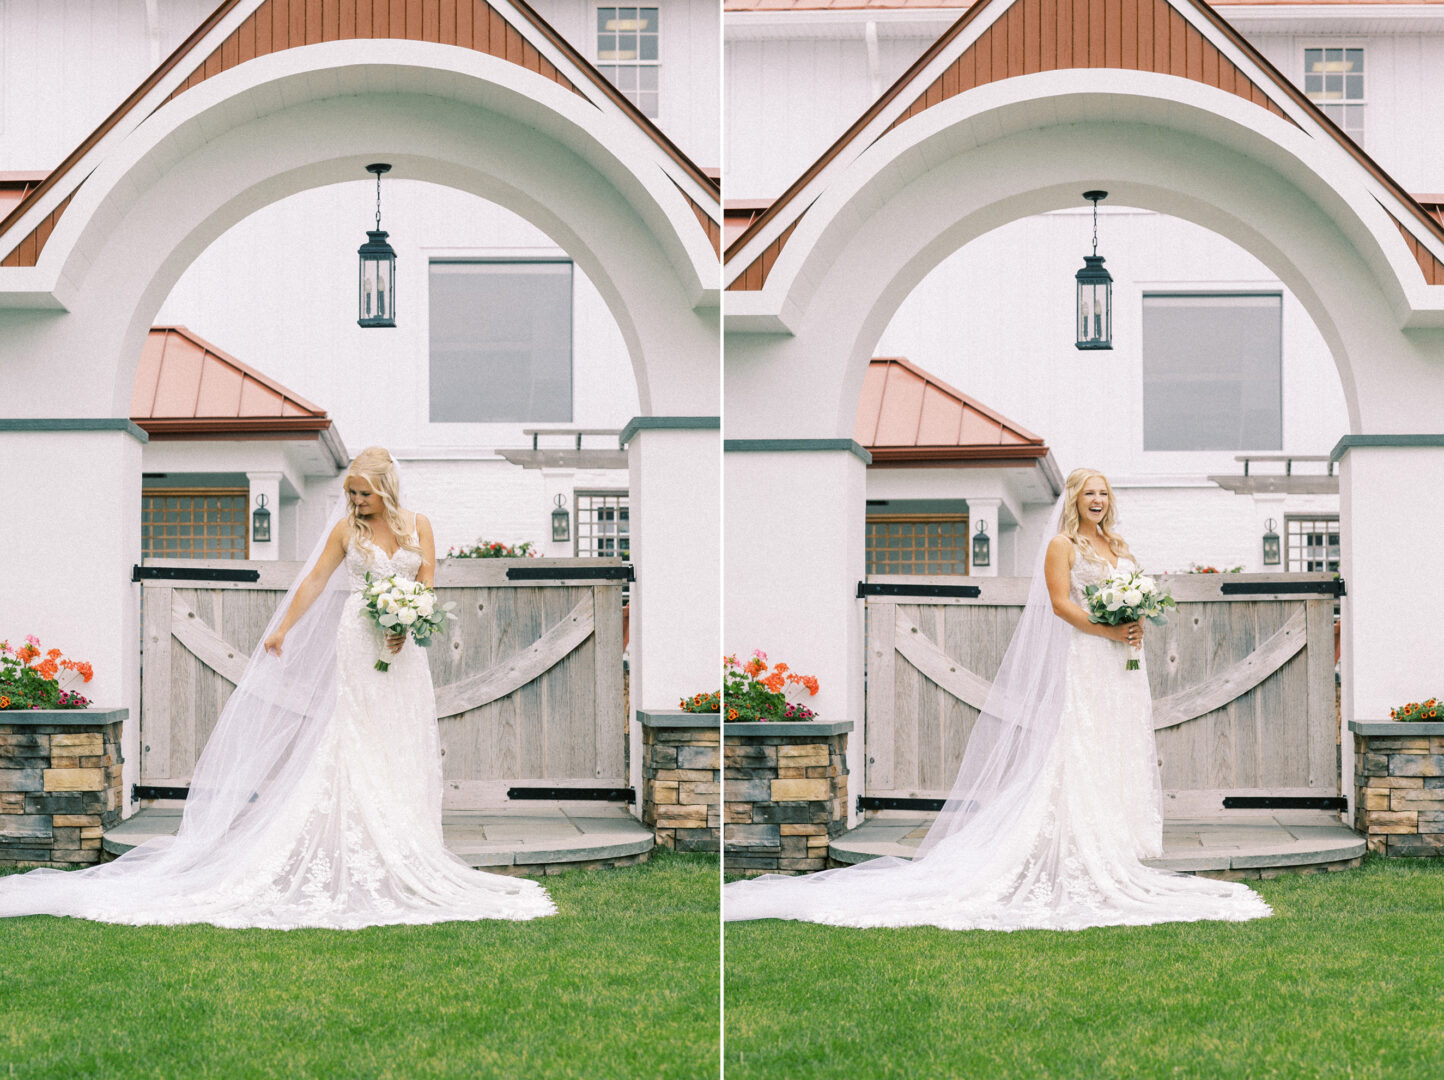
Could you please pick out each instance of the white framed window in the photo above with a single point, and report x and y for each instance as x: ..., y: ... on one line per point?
x: 1334, y: 80
x: 628, y: 54
x: 1213, y: 371
x: 603, y: 524
x: 1311, y: 542
x: 501, y: 340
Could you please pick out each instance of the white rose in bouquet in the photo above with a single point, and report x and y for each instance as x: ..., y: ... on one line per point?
x: 406, y: 616
x: 1133, y: 597
x: 426, y: 605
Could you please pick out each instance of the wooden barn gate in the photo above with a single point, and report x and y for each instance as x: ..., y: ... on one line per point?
x: 528, y: 677
x: 1242, y: 679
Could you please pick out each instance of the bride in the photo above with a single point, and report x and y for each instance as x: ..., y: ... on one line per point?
x: 317, y: 799
x: 1058, y: 796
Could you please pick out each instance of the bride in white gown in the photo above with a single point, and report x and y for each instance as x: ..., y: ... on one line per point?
x: 317, y: 799
x: 1058, y: 797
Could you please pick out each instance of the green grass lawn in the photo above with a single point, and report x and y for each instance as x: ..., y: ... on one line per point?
x: 1346, y: 980
x: 622, y: 983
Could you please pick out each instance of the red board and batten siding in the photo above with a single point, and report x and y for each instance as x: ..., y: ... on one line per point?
x: 1055, y: 35
x: 278, y: 25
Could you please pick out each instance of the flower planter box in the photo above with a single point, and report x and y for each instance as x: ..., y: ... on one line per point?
x: 786, y: 794
x: 1399, y: 786
x: 59, y: 784
x: 681, y: 778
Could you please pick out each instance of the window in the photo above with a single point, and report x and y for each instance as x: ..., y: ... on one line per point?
x: 1212, y: 372
x: 603, y: 529
x: 925, y: 544
x: 1313, y: 543
x: 191, y: 524
x: 1334, y: 80
x: 501, y: 341
x: 627, y: 54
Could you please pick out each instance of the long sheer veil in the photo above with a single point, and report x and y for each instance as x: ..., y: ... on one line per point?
x: 1001, y: 765
x: 263, y: 741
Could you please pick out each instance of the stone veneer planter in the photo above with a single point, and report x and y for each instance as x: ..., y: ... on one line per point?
x: 59, y: 784
x: 786, y: 794
x: 681, y: 778
x: 1399, y: 786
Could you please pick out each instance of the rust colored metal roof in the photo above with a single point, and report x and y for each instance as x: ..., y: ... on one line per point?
x: 186, y: 387
x: 907, y: 414
x: 14, y: 186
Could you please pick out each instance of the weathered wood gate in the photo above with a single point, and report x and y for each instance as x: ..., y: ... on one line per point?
x: 1242, y: 680
x: 528, y: 678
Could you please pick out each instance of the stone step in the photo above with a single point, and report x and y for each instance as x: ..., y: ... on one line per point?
x: 536, y: 839
x: 1244, y: 844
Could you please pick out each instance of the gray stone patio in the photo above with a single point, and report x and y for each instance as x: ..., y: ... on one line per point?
x: 1247, y: 843
x: 544, y: 838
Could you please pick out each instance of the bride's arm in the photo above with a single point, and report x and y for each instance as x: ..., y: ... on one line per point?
x: 331, y: 556
x: 1056, y: 567
x: 427, y: 574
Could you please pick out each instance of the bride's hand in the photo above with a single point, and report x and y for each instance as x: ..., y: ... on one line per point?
x: 273, y: 643
x: 1130, y: 633
x: 395, y: 641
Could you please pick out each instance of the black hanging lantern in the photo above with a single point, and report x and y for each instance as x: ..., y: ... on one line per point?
x: 260, y: 522
x: 378, y: 269
x: 981, y: 545
x: 1270, y: 543
x: 561, y: 522
x: 1095, y: 292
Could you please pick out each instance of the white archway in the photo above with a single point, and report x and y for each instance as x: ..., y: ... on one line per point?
x: 867, y: 228
x: 72, y: 325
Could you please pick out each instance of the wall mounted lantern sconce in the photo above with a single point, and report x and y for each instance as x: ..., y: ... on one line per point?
x: 260, y: 522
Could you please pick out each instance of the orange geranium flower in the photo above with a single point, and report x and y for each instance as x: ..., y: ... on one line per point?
x: 47, y: 668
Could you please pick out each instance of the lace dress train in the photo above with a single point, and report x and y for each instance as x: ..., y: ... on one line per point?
x: 354, y: 840
x: 1069, y: 859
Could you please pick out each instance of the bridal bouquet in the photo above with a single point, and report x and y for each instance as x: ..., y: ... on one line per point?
x: 393, y: 603
x: 1127, y: 596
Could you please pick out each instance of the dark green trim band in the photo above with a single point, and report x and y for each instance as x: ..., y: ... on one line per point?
x: 103, y: 423
x: 1348, y: 442
x: 852, y: 446
x: 674, y: 423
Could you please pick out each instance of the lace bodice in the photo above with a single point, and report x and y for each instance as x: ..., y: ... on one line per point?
x: 1089, y: 568
x: 364, y: 557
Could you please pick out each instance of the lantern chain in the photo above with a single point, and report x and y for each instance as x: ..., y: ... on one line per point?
x: 378, y: 213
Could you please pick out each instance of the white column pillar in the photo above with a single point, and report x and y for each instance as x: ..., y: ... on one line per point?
x: 269, y: 485
x: 73, y: 528
x: 795, y: 512
x: 674, y: 466
x: 985, y: 512
x: 1390, y: 525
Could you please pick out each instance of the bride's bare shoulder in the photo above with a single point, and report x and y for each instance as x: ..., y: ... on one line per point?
x: 1062, y: 547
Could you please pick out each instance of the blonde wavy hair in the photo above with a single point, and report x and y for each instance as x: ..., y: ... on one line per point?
x: 375, y: 467
x: 1106, y: 528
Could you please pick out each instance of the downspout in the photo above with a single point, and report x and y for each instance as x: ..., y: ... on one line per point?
x: 874, y: 65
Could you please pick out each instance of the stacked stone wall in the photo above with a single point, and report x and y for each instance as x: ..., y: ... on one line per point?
x: 1399, y: 788
x: 59, y: 788
x: 785, y: 796
x: 681, y: 780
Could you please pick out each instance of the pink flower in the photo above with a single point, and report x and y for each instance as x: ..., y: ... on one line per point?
x: 755, y: 652
x: 33, y: 640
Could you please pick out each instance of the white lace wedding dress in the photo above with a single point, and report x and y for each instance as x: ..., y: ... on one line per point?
x: 1068, y: 860
x: 356, y: 840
